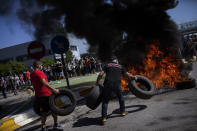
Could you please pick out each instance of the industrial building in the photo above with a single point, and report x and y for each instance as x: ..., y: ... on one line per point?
x: 20, y: 53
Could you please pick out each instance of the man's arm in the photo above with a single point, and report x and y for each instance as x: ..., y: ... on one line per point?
x: 99, y: 77
x: 131, y: 76
x: 56, y: 91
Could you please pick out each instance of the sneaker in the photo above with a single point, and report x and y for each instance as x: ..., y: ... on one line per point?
x: 57, y: 126
x: 123, y: 113
x: 103, y: 121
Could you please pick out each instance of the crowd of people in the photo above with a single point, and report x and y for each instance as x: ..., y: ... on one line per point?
x: 190, y: 45
x: 14, y: 82
x: 84, y: 66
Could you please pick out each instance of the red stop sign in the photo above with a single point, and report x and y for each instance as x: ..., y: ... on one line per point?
x: 36, y: 50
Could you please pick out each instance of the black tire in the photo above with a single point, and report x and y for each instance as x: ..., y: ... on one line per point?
x: 37, y: 109
x: 186, y: 84
x: 145, y: 90
x: 62, y: 111
x: 94, y: 98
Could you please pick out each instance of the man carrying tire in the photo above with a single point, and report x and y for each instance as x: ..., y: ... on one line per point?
x: 112, y: 83
x: 42, y: 93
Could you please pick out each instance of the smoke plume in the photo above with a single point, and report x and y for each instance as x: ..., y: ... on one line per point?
x: 103, y: 23
x: 6, y: 7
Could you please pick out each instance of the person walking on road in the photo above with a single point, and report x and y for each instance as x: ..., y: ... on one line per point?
x: 13, y: 84
x: 42, y: 92
x: 112, y: 83
x: 3, y: 86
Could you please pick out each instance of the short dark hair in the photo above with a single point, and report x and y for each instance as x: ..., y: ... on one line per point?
x: 36, y: 63
x: 113, y: 58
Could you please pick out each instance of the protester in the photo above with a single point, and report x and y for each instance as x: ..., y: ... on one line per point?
x: 112, y: 83
x: 42, y: 93
x: 22, y: 82
x: 28, y: 78
x: 13, y: 84
x: 3, y: 86
x: 189, y: 46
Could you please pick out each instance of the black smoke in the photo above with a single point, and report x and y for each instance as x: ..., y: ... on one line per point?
x: 103, y: 23
x: 6, y: 7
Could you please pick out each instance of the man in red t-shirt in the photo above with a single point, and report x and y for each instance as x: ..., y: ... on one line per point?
x: 28, y: 78
x: 42, y: 93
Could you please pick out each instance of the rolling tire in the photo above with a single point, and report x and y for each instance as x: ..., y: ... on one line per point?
x: 186, y: 84
x: 62, y: 111
x: 145, y: 89
x: 94, y: 98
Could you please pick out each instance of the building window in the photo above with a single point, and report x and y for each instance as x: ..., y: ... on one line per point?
x: 73, y: 48
x: 22, y: 58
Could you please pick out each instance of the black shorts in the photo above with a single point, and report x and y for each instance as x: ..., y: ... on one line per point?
x: 43, y: 103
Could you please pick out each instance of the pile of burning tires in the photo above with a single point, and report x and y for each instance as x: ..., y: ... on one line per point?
x: 142, y: 88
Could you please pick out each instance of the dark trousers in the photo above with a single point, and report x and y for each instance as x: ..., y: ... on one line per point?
x: 4, y: 92
x: 107, y: 92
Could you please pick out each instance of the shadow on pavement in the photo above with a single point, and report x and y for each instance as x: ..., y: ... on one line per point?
x: 87, y: 122
x: 55, y: 129
x: 96, y: 121
x: 117, y: 111
x: 182, y: 103
x: 34, y: 128
x: 10, y: 107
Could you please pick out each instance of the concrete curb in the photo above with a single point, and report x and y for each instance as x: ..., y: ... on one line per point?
x: 17, y: 121
x: 12, y: 122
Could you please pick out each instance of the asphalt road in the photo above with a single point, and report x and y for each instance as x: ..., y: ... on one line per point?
x: 13, y: 102
x: 173, y: 111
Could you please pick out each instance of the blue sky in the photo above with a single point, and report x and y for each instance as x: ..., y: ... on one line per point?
x: 184, y: 12
x: 12, y: 33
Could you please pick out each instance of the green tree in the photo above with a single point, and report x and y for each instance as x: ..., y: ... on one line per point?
x: 4, y: 69
x: 15, y: 67
x: 48, y: 62
x: 69, y: 56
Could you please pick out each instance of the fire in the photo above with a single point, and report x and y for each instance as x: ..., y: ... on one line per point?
x: 124, y: 84
x: 162, y: 69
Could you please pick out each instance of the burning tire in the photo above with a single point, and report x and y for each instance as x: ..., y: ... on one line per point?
x: 94, y: 98
x: 142, y: 88
x: 63, y: 103
x: 190, y: 83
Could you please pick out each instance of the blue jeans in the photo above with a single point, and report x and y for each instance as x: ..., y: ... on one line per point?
x: 110, y: 87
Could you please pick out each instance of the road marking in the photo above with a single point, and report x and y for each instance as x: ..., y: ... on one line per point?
x: 11, y: 123
x: 8, y: 124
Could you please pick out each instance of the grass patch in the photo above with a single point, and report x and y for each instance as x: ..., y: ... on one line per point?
x: 76, y: 83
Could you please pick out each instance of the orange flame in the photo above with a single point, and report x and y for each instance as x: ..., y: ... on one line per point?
x: 162, y: 69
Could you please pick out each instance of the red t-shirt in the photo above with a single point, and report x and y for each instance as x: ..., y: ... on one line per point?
x: 40, y: 89
x: 21, y: 79
x: 28, y: 75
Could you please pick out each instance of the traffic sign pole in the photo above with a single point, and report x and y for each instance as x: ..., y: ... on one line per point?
x: 60, y: 45
x: 65, y: 71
